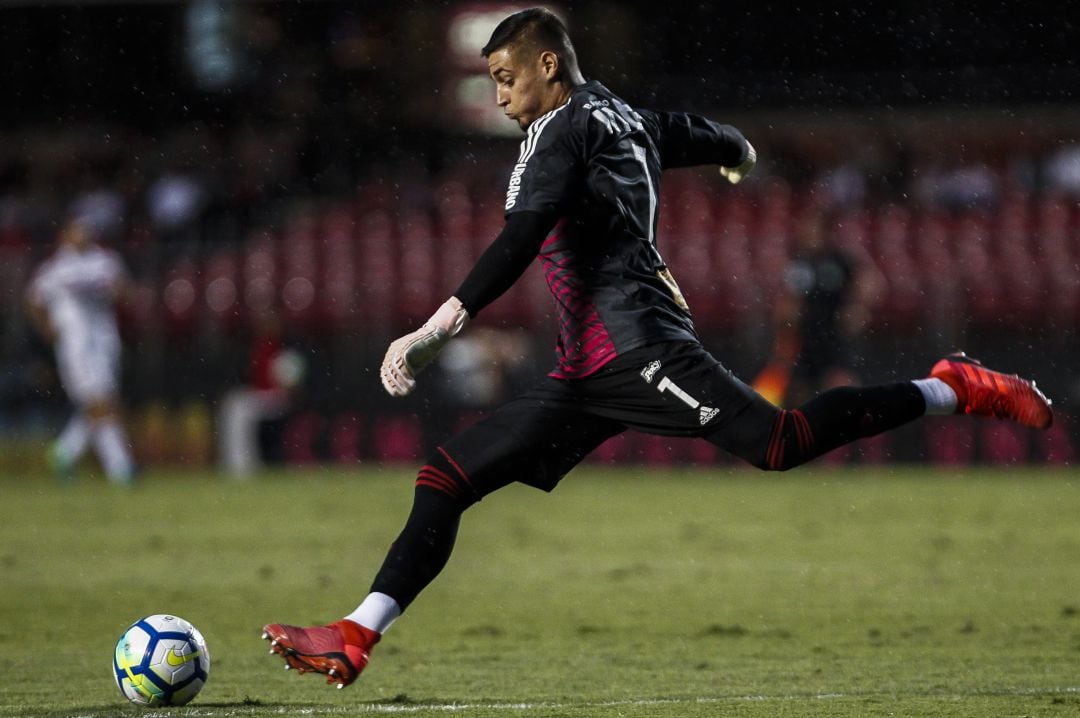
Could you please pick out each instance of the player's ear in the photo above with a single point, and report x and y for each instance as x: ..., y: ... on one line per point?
x: 549, y: 63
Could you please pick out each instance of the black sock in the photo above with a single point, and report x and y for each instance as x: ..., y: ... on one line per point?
x: 423, y: 548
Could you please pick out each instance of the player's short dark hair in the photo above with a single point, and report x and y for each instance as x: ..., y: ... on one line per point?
x: 537, y: 26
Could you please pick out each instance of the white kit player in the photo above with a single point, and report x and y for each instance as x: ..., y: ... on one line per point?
x: 72, y: 301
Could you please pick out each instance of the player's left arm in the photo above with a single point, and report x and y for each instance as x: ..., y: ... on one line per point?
x: 689, y: 140
x: 501, y: 264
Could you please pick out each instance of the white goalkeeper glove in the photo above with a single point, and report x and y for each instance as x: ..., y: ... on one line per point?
x: 411, y: 354
x: 735, y: 174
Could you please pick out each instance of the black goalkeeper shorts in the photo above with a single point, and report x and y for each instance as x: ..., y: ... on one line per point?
x: 671, y: 389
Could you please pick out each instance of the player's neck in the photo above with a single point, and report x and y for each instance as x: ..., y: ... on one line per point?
x: 565, y: 90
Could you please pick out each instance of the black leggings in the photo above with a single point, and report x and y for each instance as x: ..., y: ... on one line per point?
x: 777, y: 439
x: 675, y: 390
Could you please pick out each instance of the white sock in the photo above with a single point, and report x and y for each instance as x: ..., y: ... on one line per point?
x: 376, y: 612
x: 73, y: 440
x: 939, y: 396
x: 111, y: 446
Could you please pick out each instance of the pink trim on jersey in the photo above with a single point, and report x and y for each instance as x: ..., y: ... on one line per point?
x: 584, y: 345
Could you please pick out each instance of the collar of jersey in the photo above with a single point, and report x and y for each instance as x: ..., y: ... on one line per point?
x: 549, y: 113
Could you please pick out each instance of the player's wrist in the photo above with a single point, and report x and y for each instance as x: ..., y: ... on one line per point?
x: 735, y: 174
x: 412, y: 353
x: 451, y: 317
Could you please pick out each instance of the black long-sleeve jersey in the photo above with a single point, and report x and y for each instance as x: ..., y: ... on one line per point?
x: 588, y: 177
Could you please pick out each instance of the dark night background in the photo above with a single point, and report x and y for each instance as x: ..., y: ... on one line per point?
x: 269, y: 124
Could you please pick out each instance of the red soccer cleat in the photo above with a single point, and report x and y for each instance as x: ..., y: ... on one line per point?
x: 983, y: 392
x: 340, y: 650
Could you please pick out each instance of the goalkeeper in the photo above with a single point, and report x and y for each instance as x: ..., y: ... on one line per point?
x: 583, y: 198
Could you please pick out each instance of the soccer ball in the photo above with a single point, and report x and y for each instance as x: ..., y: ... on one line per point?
x: 161, y: 660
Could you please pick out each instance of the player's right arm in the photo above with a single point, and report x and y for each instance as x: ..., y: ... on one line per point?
x: 688, y: 140
x: 542, y: 183
x: 501, y: 264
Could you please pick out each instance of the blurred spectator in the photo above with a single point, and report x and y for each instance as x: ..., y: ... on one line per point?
x: 1062, y: 170
x: 72, y: 301
x: 842, y: 186
x: 828, y: 295
x: 275, y: 374
x: 476, y: 376
x: 175, y: 201
x: 959, y: 188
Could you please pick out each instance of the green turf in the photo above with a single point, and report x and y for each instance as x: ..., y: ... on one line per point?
x: 625, y: 593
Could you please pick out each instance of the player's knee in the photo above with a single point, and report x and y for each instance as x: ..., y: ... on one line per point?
x: 442, y: 475
x: 789, y: 442
x: 100, y: 409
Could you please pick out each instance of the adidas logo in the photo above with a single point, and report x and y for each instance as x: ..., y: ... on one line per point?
x: 706, y: 413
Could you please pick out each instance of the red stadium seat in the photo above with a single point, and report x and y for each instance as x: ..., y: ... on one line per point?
x: 902, y: 307
x: 346, y: 435
x: 874, y: 450
x: 418, y: 270
x: 456, y: 235
x: 950, y: 441
x: 397, y: 437
x: 978, y: 273
x: 653, y: 450
x: 615, y: 450
x: 703, y: 453
x: 339, y: 269
x: 180, y: 290
x: 299, y: 290
x: 376, y: 271
x: 222, y: 295
x: 259, y: 272
x: 302, y: 433
x: 1004, y: 443
x: 1056, y: 445
x: 933, y: 256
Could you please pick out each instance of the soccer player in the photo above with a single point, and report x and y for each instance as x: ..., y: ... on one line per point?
x: 583, y: 198
x: 828, y: 295
x: 71, y: 300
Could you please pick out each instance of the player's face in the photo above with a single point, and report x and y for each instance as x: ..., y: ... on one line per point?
x: 525, y: 86
x: 75, y: 234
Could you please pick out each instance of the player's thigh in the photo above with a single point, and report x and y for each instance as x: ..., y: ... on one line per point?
x: 529, y: 440
x: 676, y: 389
x: 687, y: 392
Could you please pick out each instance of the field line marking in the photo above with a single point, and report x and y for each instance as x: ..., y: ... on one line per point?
x: 525, y: 707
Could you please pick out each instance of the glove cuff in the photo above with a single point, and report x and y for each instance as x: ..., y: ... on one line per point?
x: 451, y: 317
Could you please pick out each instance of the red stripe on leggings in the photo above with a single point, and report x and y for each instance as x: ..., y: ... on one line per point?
x: 802, y: 430
x: 432, y: 477
x: 455, y: 465
x: 774, y: 454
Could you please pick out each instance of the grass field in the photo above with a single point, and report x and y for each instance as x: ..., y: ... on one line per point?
x: 625, y: 593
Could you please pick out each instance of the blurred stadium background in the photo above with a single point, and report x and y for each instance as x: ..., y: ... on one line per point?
x: 320, y: 175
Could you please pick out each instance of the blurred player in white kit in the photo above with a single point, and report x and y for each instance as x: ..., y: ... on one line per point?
x: 72, y: 301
